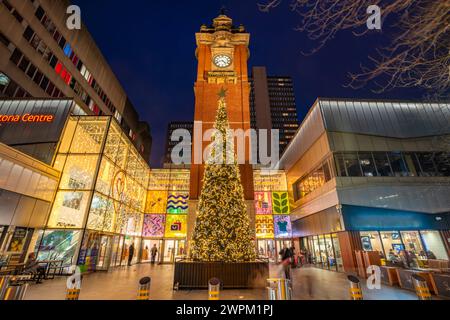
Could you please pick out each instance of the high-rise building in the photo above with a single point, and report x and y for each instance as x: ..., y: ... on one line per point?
x: 272, y: 104
x: 175, y: 125
x: 40, y: 57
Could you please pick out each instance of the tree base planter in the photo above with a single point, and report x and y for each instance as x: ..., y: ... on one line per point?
x: 242, y: 275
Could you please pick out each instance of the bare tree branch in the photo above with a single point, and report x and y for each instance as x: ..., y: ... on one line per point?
x: 418, y: 54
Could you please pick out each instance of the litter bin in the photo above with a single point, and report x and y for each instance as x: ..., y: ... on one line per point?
x: 213, y: 289
x: 279, y: 289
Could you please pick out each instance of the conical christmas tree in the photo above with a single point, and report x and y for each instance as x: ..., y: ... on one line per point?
x: 222, y: 230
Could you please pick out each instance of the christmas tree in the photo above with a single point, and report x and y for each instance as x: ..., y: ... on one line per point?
x: 222, y: 231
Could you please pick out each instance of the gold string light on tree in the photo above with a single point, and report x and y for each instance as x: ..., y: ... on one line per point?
x: 222, y: 231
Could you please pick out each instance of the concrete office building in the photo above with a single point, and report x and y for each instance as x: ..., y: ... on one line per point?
x: 272, y: 104
x: 41, y: 57
x: 371, y: 176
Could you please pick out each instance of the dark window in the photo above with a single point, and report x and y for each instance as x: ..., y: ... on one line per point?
x: 28, y: 33
x: 15, y: 57
x: 53, y: 61
x: 24, y: 63
x: 62, y: 42
x: 38, y: 77
x: 398, y: 164
x: 352, y: 164
x: 4, y: 39
x: 326, y: 172
x: 39, y: 13
x: 340, y: 165
x: 31, y: 71
x: 11, y: 90
x: 56, y: 93
x: 427, y: 164
x: 382, y: 164
x: 20, y: 93
x: 50, y: 88
x: 367, y: 164
x: 443, y: 163
x: 44, y: 83
x: 17, y: 16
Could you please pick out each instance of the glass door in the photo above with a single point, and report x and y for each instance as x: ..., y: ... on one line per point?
x: 337, y: 253
x: 169, y: 249
x: 104, y: 253
x: 266, y: 249
x: 147, y: 249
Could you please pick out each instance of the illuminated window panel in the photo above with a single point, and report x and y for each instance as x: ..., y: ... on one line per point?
x: 156, y: 201
x: 133, y: 226
x: 89, y: 134
x: 106, y: 176
x: 116, y: 147
x: 159, y: 180
x: 269, y: 180
x: 264, y: 227
x: 67, y: 137
x: 283, y: 227
x: 69, y: 209
x: 177, y: 202
x: 263, y: 202
x: 97, y: 214
x: 79, y: 172
x: 176, y: 226
x: 280, y: 203
x: 154, y: 225
x: 179, y: 180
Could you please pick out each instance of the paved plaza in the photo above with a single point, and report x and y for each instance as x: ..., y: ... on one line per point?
x: 121, y: 284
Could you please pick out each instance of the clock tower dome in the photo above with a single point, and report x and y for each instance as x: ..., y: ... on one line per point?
x: 222, y: 53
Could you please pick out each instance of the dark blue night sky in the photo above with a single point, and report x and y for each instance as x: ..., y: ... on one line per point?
x: 150, y: 46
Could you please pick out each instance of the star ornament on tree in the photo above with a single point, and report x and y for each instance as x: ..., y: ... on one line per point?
x: 222, y: 93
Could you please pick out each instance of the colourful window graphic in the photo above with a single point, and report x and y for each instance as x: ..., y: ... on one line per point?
x: 280, y: 203
x: 283, y: 228
x: 264, y: 227
x: 263, y: 202
x: 156, y: 202
x: 177, y: 202
x: 154, y: 225
x: 176, y: 226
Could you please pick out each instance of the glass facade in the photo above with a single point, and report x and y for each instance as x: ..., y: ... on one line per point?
x: 392, y: 164
x: 323, y: 251
x: 102, y: 190
x: 419, y: 245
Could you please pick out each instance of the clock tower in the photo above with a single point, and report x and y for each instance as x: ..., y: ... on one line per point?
x: 222, y: 53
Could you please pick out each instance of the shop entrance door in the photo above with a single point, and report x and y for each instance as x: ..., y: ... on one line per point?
x: 104, y: 253
x: 147, y: 246
x: 266, y: 249
x: 173, y: 249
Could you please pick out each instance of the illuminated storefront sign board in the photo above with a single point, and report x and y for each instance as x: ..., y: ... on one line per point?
x: 33, y: 118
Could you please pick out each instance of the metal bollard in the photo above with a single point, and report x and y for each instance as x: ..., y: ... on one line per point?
x: 73, y: 292
x: 421, y: 286
x: 144, y: 288
x: 355, y: 288
x: 214, y: 289
x: 279, y: 289
x: 16, y: 291
x: 4, y: 281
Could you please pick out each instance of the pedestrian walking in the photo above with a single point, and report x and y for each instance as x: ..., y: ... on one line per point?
x: 130, y: 254
x: 154, y: 252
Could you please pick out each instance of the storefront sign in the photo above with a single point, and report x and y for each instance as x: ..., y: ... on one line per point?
x: 33, y: 118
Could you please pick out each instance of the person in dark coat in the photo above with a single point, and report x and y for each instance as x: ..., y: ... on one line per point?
x: 130, y: 254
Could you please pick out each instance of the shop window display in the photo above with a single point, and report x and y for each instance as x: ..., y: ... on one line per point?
x: 69, y: 209
x: 264, y: 227
x: 434, y: 245
x: 97, y: 214
x: 413, y: 244
x: 263, y: 202
x: 371, y: 241
x: 176, y: 226
x: 154, y: 225
x: 58, y: 245
x: 392, y: 244
x: 177, y: 202
x: 283, y: 228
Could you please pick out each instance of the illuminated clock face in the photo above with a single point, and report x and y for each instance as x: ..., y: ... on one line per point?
x: 222, y: 61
